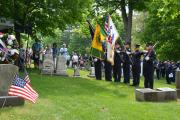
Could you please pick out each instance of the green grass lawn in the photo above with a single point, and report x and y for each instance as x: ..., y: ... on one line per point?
x: 68, y: 98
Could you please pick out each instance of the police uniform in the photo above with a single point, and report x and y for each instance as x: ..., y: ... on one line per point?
x: 97, y: 65
x: 136, y: 66
x: 126, y: 66
x: 148, y: 68
x: 117, y: 65
x: 108, y: 69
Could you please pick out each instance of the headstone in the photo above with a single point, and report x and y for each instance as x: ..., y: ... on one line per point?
x: 7, y: 73
x: 48, y: 65
x: 146, y: 94
x: 61, y: 66
x: 158, y: 95
x: 166, y: 94
x: 178, y: 83
x: 92, y: 72
x: 76, y: 72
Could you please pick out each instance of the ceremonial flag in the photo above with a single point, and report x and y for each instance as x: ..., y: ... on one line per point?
x: 21, y: 88
x: 98, y: 39
x: 91, y: 29
x: 112, y: 36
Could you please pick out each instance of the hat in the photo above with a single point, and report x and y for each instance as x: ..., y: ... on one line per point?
x: 137, y: 45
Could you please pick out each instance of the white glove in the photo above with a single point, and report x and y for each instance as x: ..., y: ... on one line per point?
x: 147, y: 58
x: 128, y: 53
x: 95, y: 60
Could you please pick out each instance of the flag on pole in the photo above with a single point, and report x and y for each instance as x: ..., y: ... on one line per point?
x: 91, y: 29
x: 112, y: 36
x: 22, y: 89
x: 97, y: 43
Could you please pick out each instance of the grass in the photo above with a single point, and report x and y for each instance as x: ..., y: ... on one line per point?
x: 68, y: 98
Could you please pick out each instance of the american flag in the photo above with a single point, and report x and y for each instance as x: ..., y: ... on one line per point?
x: 21, y: 88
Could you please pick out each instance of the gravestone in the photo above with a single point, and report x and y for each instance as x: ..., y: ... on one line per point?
x: 92, y: 72
x: 158, y: 95
x: 61, y: 66
x: 166, y: 94
x: 48, y: 65
x: 178, y: 83
x: 146, y: 94
x: 76, y: 72
x: 7, y: 73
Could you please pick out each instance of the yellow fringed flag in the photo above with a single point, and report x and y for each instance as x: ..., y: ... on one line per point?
x: 98, y: 39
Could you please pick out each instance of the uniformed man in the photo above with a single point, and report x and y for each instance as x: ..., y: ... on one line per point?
x: 97, y: 65
x: 108, y: 69
x: 126, y: 63
x: 117, y: 63
x: 136, y: 65
x: 148, y: 66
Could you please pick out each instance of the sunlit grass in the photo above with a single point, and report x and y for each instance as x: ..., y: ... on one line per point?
x: 69, y: 98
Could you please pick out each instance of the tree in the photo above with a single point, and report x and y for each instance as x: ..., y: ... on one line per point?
x: 111, y: 6
x: 162, y: 27
x: 43, y: 15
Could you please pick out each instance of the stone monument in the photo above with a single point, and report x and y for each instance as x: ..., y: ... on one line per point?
x: 155, y: 95
x: 7, y: 73
x: 61, y: 66
x: 76, y: 71
x: 92, y: 72
x: 178, y: 83
x: 48, y: 65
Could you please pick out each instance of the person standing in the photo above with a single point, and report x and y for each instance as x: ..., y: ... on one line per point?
x: 55, y: 54
x: 148, y: 66
x: 36, y: 47
x: 97, y: 66
x: 126, y: 63
x: 117, y: 63
x: 108, y: 69
x: 136, y: 65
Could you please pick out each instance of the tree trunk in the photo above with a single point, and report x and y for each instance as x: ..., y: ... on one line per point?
x: 127, y: 19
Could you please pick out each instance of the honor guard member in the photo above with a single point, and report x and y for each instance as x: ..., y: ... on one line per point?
x: 108, y: 69
x: 117, y: 63
x: 126, y: 63
x: 97, y: 65
x: 136, y: 65
x: 148, y: 66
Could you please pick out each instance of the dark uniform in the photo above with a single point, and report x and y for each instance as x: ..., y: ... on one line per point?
x: 163, y: 70
x: 126, y: 66
x: 97, y: 65
x: 148, y: 69
x: 117, y: 65
x: 136, y: 66
x: 108, y: 69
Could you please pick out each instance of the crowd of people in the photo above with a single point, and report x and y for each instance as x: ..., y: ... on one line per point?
x: 130, y: 63
x: 127, y: 63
